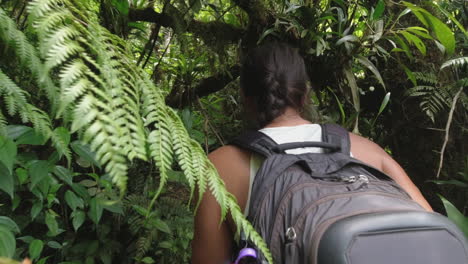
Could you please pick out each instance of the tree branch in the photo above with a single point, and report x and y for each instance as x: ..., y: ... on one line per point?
x: 205, y: 87
x: 210, y: 32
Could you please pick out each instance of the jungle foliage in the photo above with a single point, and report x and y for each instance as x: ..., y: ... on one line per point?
x: 110, y: 106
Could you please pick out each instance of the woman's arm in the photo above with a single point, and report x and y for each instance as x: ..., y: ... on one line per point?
x: 213, y: 239
x: 370, y: 153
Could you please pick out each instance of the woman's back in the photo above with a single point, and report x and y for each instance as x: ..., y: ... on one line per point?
x: 275, y: 88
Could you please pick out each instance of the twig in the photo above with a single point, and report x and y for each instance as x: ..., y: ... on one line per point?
x: 447, y: 129
x: 209, y: 123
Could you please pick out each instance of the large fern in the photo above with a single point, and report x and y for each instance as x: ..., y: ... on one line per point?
x: 109, y: 101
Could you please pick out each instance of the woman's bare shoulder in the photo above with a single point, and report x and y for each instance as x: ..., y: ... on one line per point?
x: 367, y: 151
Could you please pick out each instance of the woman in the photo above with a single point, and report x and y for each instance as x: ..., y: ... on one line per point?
x: 274, y: 85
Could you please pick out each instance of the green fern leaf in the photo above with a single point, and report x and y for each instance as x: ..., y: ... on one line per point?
x: 457, y: 63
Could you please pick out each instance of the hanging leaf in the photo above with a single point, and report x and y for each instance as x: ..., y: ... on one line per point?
x: 73, y: 201
x: 7, y: 183
x: 384, y: 103
x: 456, y: 216
x: 51, y: 223
x: 78, y: 219
x: 416, y: 41
x: 443, y: 33
x: 95, y: 210
x: 35, y: 249
x: 369, y: 65
x: 39, y: 170
x: 379, y: 9
x: 84, y: 152
x: 8, y: 152
x: 9, y: 224
x: 7, y: 243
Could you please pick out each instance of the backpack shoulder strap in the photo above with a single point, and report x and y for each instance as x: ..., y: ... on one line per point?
x: 335, y: 134
x: 256, y: 141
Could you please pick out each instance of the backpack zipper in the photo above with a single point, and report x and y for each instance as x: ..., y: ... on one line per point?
x: 333, y: 197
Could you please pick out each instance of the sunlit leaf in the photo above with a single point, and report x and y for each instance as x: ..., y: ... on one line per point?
x: 455, y: 215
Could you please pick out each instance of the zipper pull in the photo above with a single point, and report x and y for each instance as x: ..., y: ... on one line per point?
x: 348, y: 179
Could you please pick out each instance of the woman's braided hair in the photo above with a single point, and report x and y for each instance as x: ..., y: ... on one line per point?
x: 274, y: 76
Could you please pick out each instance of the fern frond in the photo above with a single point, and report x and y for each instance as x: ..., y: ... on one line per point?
x: 247, y: 228
x: 14, y: 96
x: 433, y: 100
x: 17, y: 41
x: 457, y: 63
x: 3, y: 124
x: 426, y: 77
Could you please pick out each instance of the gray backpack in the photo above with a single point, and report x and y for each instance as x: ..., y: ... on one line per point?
x: 329, y: 208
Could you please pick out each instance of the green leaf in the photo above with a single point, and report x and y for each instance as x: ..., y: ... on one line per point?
x: 78, y: 219
x: 22, y: 175
x: 379, y: 9
x: 266, y: 33
x: 51, y: 223
x: 54, y: 244
x: 384, y: 103
x: 35, y: 249
x: 410, y: 75
x: 64, y: 174
x: 161, y: 225
x: 416, y: 41
x: 7, y: 243
x: 7, y: 183
x: 422, y: 32
x: 39, y: 170
x: 84, y: 152
x: 15, y: 131
x: 8, y: 152
x: 121, y: 6
x: 369, y: 65
x: 64, y: 137
x: 73, y: 201
x: 443, y: 33
x: 452, y: 182
x: 31, y: 137
x: 95, y: 210
x: 456, y: 216
x: 9, y: 224
x: 148, y: 260
x: 36, y: 208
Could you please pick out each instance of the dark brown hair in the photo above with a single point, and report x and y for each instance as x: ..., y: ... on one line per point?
x: 274, y: 77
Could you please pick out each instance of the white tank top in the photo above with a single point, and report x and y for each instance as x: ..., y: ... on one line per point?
x: 301, y: 133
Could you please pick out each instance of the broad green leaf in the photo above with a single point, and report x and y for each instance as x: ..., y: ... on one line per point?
x: 379, y: 9
x: 422, y: 32
x: 9, y: 224
x: 161, y: 225
x: 121, y: 6
x: 22, y: 175
x: 52, y: 223
x: 454, y: 20
x: 443, y: 33
x: 404, y: 47
x: 148, y: 260
x: 31, y: 137
x: 36, y: 208
x: 39, y: 170
x: 64, y: 174
x: 7, y: 243
x: 54, y: 244
x: 84, y: 152
x: 73, y: 201
x: 165, y: 244
x: 35, y: 249
x: 78, y: 219
x: 456, y: 216
x: 8, y: 152
x: 416, y: 41
x: 7, y: 183
x: 95, y: 210
x: 15, y: 131
x: 369, y: 65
